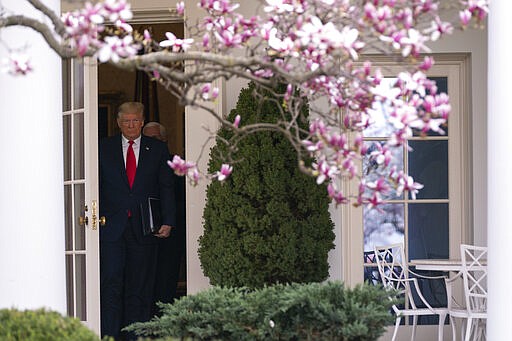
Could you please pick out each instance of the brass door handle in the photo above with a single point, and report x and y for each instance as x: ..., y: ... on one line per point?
x: 83, y: 221
x: 102, y: 220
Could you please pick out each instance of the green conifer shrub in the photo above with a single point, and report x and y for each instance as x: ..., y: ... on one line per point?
x: 313, y: 311
x: 268, y: 222
x: 42, y: 325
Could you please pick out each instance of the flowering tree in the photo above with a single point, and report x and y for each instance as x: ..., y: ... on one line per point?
x: 316, y: 47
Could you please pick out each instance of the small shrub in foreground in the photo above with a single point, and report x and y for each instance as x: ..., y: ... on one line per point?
x: 315, y: 311
x: 41, y: 325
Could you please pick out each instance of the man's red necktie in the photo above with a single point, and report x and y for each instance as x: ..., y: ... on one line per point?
x: 131, y: 164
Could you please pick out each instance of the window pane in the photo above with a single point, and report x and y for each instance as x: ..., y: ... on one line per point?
x: 69, y: 285
x: 66, y: 85
x: 68, y: 217
x: 372, y: 170
x: 428, y: 164
x: 78, y: 145
x: 383, y: 226
x: 442, y: 86
x: 428, y: 231
x: 81, y: 307
x: 379, y: 114
x: 371, y: 275
x: 66, y: 126
x: 78, y: 84
x: 79, y: 211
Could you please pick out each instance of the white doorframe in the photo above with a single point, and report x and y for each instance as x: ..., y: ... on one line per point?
x: 92, y: 193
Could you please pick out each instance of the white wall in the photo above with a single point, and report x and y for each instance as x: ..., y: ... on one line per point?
x: 32, y: 268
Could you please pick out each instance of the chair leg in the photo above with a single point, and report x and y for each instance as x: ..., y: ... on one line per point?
x: 454, y: 328
x: 414, y: 324
x: 440, y: 332
x: 468, y: 329
x: 480, y: 329
x: 397, y: 324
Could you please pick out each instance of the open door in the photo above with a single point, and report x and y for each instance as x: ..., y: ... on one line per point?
x: 80, y: 131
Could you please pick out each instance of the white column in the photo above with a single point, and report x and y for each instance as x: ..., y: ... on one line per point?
x: 32, y: 265
x: 499, y: 226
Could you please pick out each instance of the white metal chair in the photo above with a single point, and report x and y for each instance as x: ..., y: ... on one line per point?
x: 474, y: 309
x: 394, y: 273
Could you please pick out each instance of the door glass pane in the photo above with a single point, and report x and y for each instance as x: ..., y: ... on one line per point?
x: 68, y: 217
x: 79, y: 211
x: 428, y: 231
x: 380, y: 113
x: 81, y: 307
x: 442, y: 86
x: 428, y: 165
x: 78, y: 146
x: 372, y: 170
x: 78, y: 84
x: 66, y: 85
x: 69, y: 285
x: 67, y: 147
x: 383, y: 226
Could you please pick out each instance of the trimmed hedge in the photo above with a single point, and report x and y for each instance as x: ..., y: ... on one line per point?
x: 41, y: 325
x: 315, y: 311
x: 268, y: 222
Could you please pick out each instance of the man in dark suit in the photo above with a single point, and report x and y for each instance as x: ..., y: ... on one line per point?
x: 132, y: 168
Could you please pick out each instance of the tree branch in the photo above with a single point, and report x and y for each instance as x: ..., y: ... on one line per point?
x: 57, y: 23
x: 43, y: 29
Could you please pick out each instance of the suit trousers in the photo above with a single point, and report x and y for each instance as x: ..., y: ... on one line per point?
x: 127, y: 275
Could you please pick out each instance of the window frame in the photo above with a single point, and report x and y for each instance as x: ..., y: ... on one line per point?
x: 456, y: 68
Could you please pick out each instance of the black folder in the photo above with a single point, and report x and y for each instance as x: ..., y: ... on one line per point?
x: 150, y: 214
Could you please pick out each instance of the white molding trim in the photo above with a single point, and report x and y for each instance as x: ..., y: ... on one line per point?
x: 156, y: 16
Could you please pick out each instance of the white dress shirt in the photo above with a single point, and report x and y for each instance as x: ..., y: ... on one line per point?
x: 136, y: 148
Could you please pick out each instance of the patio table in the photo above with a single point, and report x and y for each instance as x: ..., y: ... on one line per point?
x: 438, y: 264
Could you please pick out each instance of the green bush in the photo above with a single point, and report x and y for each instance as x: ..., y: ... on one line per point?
x: 315, y: 311
x: 268, y: 222
x: 41, y: 325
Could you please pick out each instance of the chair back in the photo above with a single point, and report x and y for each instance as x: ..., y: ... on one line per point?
x: 393, y: 269
x: 474, y: 273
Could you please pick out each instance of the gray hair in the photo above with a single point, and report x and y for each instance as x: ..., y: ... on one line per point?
x: 130, y: 108
x: 163, y: 131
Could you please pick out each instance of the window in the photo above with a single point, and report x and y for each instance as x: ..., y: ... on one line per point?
x: 435, y: 223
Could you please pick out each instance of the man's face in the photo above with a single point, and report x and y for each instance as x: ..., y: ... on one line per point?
x: 130, y: 125
x: 154, y: 131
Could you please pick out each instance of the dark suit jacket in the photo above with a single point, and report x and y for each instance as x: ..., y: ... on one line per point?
x: 153, y: 178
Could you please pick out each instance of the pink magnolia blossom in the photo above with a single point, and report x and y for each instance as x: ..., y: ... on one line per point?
x: 117, y: 10
x: 407, y: 183
x: 180, y: 8
x: 379, y: 185
x: 427, y: 63
x: 225, y: 171
x: 324, y: 171
x: 180, y: 166
x: 175, y: 43
x: 17, y: 64
x: 465, y: 17
x: 116, y: 48
x: 336, y: 195
x: 185, y: 168
x: 374, y: 201
x: 236, y: 122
